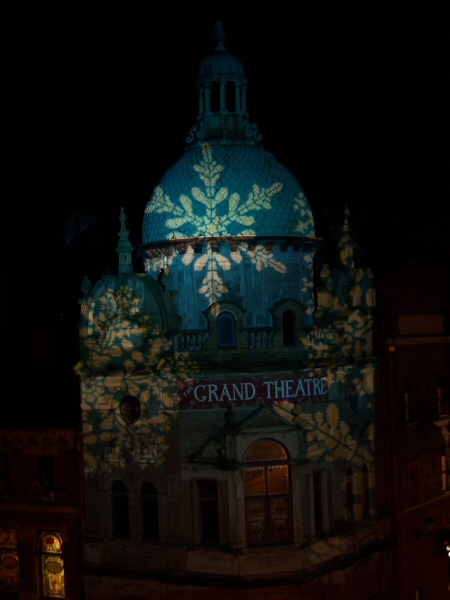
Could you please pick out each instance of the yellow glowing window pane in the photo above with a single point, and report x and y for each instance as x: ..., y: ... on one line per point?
x: 255, y: 481
x: 265, y: 450
x: 50, y: 542
x: 53, y: 576
x: 278, y: 479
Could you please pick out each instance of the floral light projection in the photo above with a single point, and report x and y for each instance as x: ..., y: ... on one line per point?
x: 200, y: 211
x: 9, y: 561
x: 207, y: 222
x: 52, y: 565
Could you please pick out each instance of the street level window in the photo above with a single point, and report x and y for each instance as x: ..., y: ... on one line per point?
x: 52, y: 563
x: 267, y: 494
x: 9, y: 561
x: 226, y: 330
x: 209, y: 511
x: 120, y: 512
x: 149, y: 508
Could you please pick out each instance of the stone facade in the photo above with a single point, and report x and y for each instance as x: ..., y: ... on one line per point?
x: 228, y: 398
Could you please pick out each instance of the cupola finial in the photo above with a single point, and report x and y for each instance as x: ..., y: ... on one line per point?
x: 219, y: 34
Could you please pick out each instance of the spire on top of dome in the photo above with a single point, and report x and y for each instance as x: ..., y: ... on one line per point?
x: 219, y: 34
x: 222, y: 100
x: 124, y: 247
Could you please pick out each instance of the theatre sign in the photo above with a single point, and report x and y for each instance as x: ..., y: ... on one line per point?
x: 218, y: 393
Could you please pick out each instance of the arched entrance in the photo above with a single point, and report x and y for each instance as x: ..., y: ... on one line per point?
x: 267, y: 494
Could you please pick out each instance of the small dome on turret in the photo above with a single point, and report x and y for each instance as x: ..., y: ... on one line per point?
x: 221, y: 64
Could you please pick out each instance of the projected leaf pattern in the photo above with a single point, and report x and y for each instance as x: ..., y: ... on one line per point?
x: 200, y: 211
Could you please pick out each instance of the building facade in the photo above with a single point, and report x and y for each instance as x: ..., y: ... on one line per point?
x: 40, y: 514
x: 416, y: 359
x: 228, y: 393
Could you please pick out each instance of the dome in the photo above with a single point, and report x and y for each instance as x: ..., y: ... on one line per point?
x: 221, y: 65
x: 221, y: 190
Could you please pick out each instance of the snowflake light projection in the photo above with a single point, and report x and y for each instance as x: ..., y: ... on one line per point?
x: 212, y: 211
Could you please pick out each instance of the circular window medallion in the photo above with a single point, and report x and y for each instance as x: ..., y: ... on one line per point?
x: 130, y: 409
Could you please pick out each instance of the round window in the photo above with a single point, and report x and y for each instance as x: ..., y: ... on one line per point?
x: 130, y: 409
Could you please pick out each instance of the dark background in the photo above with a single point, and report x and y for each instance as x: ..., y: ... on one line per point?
x: 353, y: 97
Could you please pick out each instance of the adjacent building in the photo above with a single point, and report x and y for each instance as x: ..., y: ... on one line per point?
x: 40, y: 514
x: 415, y: 427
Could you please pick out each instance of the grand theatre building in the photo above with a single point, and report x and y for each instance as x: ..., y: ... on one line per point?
x: 228, y: 391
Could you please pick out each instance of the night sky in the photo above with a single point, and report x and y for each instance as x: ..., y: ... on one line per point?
x: 352, y: 97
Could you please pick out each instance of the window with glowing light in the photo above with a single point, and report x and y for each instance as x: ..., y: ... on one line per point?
x: 52, y: 564
x: 267, y: 494
x: 9, y: 561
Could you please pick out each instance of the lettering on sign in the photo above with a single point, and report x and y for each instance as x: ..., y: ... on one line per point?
x: 217, y: 393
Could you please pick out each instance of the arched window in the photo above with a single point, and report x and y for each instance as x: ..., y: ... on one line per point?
x: 9, y: 561
x: 226, y: 330
x: 267, y: 494
x: 289, y: 323
x: 120, y: 514
x: 349, y: 495
x: 149, y: 511
x: 52, y: 565
x: 365, y: 491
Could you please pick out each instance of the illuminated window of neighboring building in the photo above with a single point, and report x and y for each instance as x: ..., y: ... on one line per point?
x: 226, y: 330
x: 149, y: 508
x: 365, y: 491
x: 52, y: 565
x: 444, y: 469
x: 349, y: 497
x: 267, y: 494
x: 120, y: 513
x: 9, y: 561
x: 209, y: 511
x: 318, y: 502
x: 130, y: 408
x: 289, y: 324
x: 45, y: 480
x: 5, y: 482
x: 414, y: 483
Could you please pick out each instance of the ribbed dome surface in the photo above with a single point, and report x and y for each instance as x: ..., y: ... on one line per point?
x: 227, y: 190
x: 221, y: 65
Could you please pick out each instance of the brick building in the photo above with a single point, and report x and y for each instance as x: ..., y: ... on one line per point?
x: 40, y: 514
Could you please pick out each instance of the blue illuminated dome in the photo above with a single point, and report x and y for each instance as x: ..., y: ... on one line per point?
x: 226, y: 184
